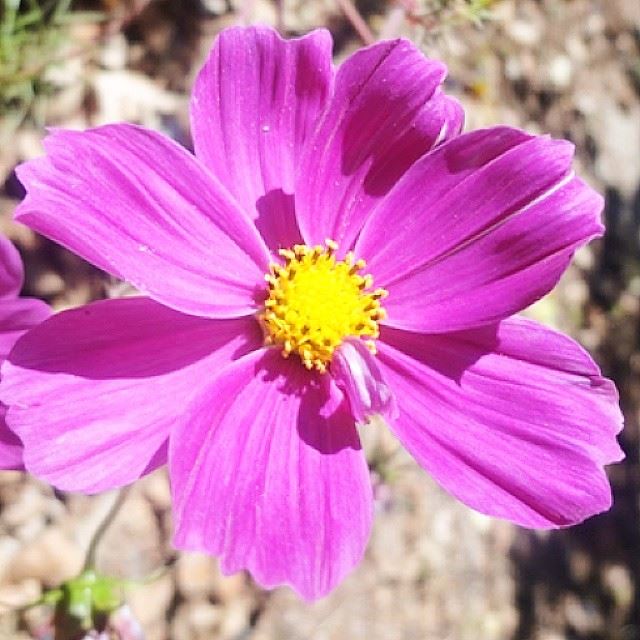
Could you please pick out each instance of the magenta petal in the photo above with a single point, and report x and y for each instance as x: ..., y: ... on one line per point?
x: 387, y: 110
x: 255, y: 103
x: 356, y: 372
x: 93, y: 392
x: 17, y: 315
x: 11, y: 272
x: 490, y: 221
x: 139, y: 206
x: 513, y: 419
x: 10, y: 446
x: 267, y: 473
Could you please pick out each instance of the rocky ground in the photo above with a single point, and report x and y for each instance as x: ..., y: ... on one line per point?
x: 434, y: 569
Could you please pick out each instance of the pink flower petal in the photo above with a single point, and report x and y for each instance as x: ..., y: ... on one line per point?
x: 125, y: 625
x: 356, y: 372
x: 267, y: 472
x: 513, y: 419
x: 489, y: 222
x: 255, y: 103
x: 11, y: 272
x: 137, y: 205
x: 17, y: 315
x: 387, y: 111
x: 10, y: 445
x: 93, y: 392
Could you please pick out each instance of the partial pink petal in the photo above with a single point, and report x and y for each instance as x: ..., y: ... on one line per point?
x: 125, y: 625
x: 489, y: 221
x: 356, y: 372
x: 93, y: 392
x: 11, y: 272
x: 139, y: 206
x: 10, y: 446
x: 513, y: 419
x: 387, y: 110
x: 255, y: 103
x: 17, y: 315
x: 267, y: 472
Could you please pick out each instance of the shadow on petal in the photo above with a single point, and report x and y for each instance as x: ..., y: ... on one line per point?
x: 324, y: 410
x: 444, y: 356
x: 129, y: 338
x: 277, y: 221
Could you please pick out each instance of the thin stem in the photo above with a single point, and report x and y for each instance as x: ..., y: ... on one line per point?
x: 7, y: 26
x: 357, y: 21
x: 61, y: 9
x: 280, y: 24
x: 90, y: 558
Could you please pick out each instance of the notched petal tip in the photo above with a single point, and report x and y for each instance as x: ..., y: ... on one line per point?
x: 594, y: 204
x: 266, y: 30
x: 256, y: 81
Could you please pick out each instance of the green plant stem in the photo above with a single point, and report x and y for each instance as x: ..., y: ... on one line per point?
x: 61, y: 9
x: 90, y: 558
x: 357, y: 21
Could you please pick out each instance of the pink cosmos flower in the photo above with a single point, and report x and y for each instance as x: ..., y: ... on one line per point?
x: 263, y: 340
x: 17, y: 315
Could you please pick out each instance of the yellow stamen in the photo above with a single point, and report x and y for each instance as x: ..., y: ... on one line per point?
x: 314, y: 302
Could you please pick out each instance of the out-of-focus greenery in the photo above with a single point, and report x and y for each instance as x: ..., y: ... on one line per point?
x: 436, y: 14
x: 32, y: 35
x: 478, y: 10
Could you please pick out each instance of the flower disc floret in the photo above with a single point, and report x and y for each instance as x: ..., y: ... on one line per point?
x: 315, y: 301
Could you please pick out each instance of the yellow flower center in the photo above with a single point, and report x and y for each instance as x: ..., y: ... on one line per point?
x: 315, y: 301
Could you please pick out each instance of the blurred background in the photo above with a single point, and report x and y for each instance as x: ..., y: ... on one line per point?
x: 433, y: 569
